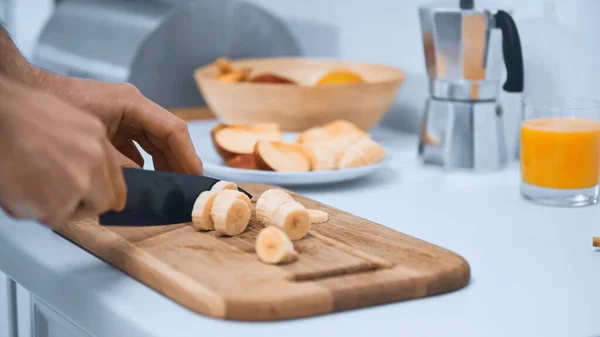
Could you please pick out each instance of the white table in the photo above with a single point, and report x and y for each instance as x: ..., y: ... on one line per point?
x: 534, y: 271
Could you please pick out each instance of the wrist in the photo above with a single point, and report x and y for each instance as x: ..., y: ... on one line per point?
x: 53, y: 83
x: 42, y: 79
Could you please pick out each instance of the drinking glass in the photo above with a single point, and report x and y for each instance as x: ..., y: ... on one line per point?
x: 560, y: 151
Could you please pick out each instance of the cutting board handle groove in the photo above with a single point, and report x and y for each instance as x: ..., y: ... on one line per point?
x: 335, y: 273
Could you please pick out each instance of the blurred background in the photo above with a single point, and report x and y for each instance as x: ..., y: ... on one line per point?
x: 388, y: 31
x: 559, y: 40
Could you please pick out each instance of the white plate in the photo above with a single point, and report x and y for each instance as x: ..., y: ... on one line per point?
x: 223, y: 172
x: 216, y: 168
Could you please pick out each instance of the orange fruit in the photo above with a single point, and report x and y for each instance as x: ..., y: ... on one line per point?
x: 340, y: 76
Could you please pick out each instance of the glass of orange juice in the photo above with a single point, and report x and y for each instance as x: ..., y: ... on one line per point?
x: 560, y: 151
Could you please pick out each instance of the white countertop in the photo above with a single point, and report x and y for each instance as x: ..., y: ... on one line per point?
x: 534, y: 271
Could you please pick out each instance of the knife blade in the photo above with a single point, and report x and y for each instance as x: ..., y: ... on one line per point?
x: 158, y: 198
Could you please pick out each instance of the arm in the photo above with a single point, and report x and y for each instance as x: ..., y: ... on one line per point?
x: 127, y: 114
x: 12, y: 62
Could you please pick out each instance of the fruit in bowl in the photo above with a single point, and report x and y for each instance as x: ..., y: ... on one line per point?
x: 228, y: 73
x: 298, y: 93
x: 340, y: 76
x: 271, y: 78
x: 335, y: 145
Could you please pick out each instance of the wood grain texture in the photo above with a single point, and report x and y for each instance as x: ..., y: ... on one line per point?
x: 345, y: 263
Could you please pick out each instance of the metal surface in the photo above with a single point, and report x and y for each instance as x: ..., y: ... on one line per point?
x: 464, y: 90
x: 463, y: 121
x: 159, y: 198
x: 462, y: 51
x: 13, y: 322
x: 156, y: 45
x: 463, y: 135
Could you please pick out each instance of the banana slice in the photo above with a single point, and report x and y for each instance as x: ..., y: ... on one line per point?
x: 238, y: 195
x: 223, y: 185
x: 321, y: 156
x: 201, y: 218
x: 273, y: 246
x: 317, y: 216
x: 293, y: 218
x: 362, y: 153
x: 268, y: 202
x: 229, y: 186
x: 230, y: 213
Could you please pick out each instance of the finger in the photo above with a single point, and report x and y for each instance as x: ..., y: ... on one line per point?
x: 124, y: 143
x: 169, y: 132
x: 173, y: 161
x: 159, y: 160
x: 131, y: 151
x: 59, y: 208
x: 56, y: 219
x: 101, y: 194
x: 83, y: 211
x: 115, y: 176
x: 21, y: 211
x: 123, y: 161
x: 105, y: 191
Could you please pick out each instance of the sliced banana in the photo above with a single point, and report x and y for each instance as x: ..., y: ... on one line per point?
x: 201, y: 218
x: 317, y: 216
x: 230, y: 213
x: 293, y: 218
x: 223, y: 185
x: 273, y: 246
x: 238, y: 195
x: 362, y: 153
x: 269, y: 201
x: 229, y: 186
x: 321, y: 156
x: 242, y: 197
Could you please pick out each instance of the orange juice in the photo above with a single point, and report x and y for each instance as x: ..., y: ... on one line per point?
x: 560, y: 153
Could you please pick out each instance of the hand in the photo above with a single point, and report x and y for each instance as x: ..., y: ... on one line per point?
x: 58, y: 165
x: 130, y: 116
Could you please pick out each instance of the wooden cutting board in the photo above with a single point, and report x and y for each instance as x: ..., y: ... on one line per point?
x: 346, y: 263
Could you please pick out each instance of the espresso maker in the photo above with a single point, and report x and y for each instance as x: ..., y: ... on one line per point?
x: 466, y: 49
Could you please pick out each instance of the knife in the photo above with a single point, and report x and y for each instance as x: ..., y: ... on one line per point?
x: 158, y: 198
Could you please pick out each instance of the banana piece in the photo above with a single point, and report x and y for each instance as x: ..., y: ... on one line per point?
x: 201, y: 218
x: 230, y: 213
x: 293, y: 218
x: 326, y: 155
x: 268, y: 202
x: 223, y: 185
x: 362, y: 153
x: 273, y: 246
x: 227, y: 185
x: 317, y: 216
x: 341, y: 143
x: 321, y: 156
x: 239, y: 195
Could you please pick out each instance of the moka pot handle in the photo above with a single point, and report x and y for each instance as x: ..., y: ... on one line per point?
x: 511, y: 50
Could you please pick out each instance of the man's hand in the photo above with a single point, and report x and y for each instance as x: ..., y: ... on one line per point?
x: 58, y: 164
x: 130, y: 116
x: 127, y: 114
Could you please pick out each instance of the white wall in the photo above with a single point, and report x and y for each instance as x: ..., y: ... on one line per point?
x: 25, y: 19
x: 374, y: 31
x: 560, y: 48
x: 559, y: 57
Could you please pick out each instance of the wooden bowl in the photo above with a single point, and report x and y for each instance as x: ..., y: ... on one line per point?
x: 299, y: 107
